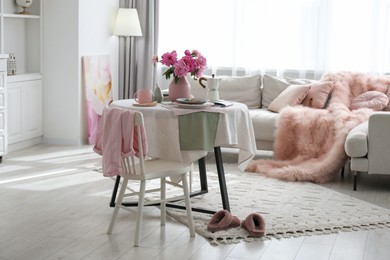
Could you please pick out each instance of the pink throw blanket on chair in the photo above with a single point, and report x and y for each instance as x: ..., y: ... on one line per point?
x: 116, y: 137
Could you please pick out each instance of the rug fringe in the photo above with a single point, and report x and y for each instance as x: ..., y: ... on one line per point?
x: 335, y: 230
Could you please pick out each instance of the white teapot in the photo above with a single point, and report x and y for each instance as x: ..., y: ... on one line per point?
x: 212, y: 87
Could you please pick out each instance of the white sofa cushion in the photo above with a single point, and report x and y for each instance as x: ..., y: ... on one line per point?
x: 264, y: 123
x: 244, y: 89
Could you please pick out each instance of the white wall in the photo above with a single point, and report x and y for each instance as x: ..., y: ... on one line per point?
x: 72, y: 29
x: 95, y: 37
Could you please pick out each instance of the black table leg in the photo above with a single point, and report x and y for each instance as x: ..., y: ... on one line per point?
x: 203, y: 175
x: 115, y: 191
x: 221, y: 178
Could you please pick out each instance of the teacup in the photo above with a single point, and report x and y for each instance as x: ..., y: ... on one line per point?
x: 143, y: 96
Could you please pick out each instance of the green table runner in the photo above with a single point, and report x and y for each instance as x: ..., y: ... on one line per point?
x: 197, y: 131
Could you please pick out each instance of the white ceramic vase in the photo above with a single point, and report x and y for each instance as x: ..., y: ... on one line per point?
x: 23, y: 4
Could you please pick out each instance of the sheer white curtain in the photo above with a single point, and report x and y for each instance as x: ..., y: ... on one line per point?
x: 247, y: 36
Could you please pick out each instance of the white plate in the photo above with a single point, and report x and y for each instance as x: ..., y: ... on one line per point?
x: 208, y: 104
x: 191, y: 101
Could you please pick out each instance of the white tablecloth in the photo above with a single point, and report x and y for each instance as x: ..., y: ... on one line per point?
x: 234, y: 130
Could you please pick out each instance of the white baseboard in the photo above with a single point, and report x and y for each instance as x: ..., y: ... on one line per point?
x: 24, y: 144
x: 61, y: 141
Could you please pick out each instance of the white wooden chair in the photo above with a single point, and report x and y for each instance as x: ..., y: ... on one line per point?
x: 142, y: 170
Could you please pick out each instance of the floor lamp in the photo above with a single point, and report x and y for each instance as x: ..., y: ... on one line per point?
x: 127, y: 24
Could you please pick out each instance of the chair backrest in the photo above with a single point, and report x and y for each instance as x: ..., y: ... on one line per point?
x: 129, y: 165
x: 138, y: 119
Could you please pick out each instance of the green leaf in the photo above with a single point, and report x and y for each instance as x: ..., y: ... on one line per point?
x: 168, y: 72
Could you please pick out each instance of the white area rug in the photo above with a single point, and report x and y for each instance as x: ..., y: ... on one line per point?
x: 290, y: 209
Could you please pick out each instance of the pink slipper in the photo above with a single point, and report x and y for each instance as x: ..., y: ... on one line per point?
x: 254, y: 224
x: 222, y: 220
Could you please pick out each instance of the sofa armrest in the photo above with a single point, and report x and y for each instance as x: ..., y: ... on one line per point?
x: 356, y: 144
x: 379, y: 143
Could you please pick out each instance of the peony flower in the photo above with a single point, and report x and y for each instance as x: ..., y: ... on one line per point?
x: 181, y: 68
x: 154, y: 59
x: 169, y: 59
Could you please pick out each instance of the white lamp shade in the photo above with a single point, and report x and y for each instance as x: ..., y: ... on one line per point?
x: 127, y: 23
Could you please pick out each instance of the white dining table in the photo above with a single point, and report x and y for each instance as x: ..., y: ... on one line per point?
x: 234, y: 130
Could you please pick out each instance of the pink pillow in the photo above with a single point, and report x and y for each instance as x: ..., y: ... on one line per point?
x: 387, y: 108
x: 319, y: 94
x: 292, y: 95
x: 374, y: 100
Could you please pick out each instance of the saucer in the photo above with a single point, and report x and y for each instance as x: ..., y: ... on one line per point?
x: 145, y: 104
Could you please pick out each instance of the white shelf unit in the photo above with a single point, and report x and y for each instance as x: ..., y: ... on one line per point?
x: 21, y: 34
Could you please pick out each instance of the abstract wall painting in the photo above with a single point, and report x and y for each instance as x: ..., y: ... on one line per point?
x: 98, y: 85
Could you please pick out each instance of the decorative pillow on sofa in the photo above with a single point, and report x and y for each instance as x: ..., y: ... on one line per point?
x: 387, y: 108
x: 272, y: 87
x: 318, y: 95
x: 245, y: 89
x: 299, y: 81
x: 374, y: 100
x: 291, y: 96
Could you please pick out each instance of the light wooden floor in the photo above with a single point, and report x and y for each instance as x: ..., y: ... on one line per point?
x: 55, y: 206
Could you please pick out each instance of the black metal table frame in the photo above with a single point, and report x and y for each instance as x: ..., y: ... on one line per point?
x: 203, y: 185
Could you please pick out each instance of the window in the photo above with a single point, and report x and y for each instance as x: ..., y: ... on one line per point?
x: 258, y: 35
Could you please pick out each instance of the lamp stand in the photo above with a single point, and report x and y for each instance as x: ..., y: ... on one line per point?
x: 127, y: 66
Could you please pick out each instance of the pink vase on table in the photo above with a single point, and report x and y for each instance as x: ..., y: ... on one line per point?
x: 181, y: 89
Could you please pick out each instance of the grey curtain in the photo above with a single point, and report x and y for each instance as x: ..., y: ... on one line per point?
x: 141, y: 71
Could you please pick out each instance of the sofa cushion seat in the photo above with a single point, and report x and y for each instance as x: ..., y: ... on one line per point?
x: 356, y: 143
x: 264, y: 123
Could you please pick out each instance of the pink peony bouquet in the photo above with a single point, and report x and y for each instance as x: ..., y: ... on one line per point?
x: 192, y: 62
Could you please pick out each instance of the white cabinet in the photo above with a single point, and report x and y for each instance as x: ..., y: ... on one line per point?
x: 3, y: 106
x: 21, y: 35
x: 24, y: 110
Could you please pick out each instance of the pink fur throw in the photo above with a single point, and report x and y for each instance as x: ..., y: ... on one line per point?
x: 349, y: 85
x: 309, y: 142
